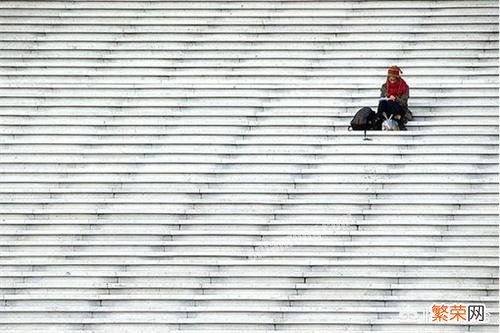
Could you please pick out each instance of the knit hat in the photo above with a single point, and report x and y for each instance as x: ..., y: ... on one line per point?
x: 394, y: 70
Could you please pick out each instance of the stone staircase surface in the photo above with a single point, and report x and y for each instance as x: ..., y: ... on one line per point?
x: 185, y: 166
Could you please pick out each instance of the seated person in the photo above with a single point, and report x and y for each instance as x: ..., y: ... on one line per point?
x: 396, y: 92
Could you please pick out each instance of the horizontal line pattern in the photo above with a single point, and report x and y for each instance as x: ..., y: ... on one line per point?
x: 185, y: 166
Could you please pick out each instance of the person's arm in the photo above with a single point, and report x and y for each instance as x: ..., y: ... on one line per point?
x: 403, y: 98
x: 383, y: 91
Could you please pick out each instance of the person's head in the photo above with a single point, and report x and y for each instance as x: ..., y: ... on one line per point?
x: 392, y: 78
x: 393, y: 73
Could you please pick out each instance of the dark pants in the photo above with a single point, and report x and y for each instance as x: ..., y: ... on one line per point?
x: 391, y: 108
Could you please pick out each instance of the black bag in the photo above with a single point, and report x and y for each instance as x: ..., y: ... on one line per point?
x: 365, y: 119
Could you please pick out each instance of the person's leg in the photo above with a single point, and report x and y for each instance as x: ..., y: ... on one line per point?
x: 398, y: 114
x: 392, y: 108
x: 384, y: 107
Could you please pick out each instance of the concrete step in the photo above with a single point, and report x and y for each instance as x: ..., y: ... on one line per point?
x: 245, y: 209
x: 244, y: 286
x: 297, y: 243
x: 105, y: 36
x: 157, y: 272
x: 239, y: 5
x: 243, y: 12
x: 205, y: 309
x: 176, y: 101
x: 105, y: 227
x: 48, y: 66
x: 114, y: 27
x: 396, y: 203
x: 224, y: 232
x: 24, y: 248
x: 238, y: 45
x: 295, y: 18
x: 86, y: 77
x: 430, y: 118
x: 419, y: 112
x: 248, y: 80
x: 418, y: 91
x: 141, y: 4
x: 181, y: 166
x: 263, y: 189
x: 311, y: 178
x: 268, y: 168
x: 54, y: 278
x: 258, y: 140
x: 265, y: 54
x: 266, y: 261
x: 374, y: 148
x: 311, y: 159
x: 416, y: 64
x: 377, y: 221
x: 319, y: 88
x: 224, y: 194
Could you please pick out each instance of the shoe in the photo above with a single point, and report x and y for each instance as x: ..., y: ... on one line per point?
x: 401, y: 126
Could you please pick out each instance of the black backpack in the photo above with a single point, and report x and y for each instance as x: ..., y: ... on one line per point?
x: 365, y: 119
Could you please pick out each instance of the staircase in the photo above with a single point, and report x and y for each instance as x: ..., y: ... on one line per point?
x: 182, y: 166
